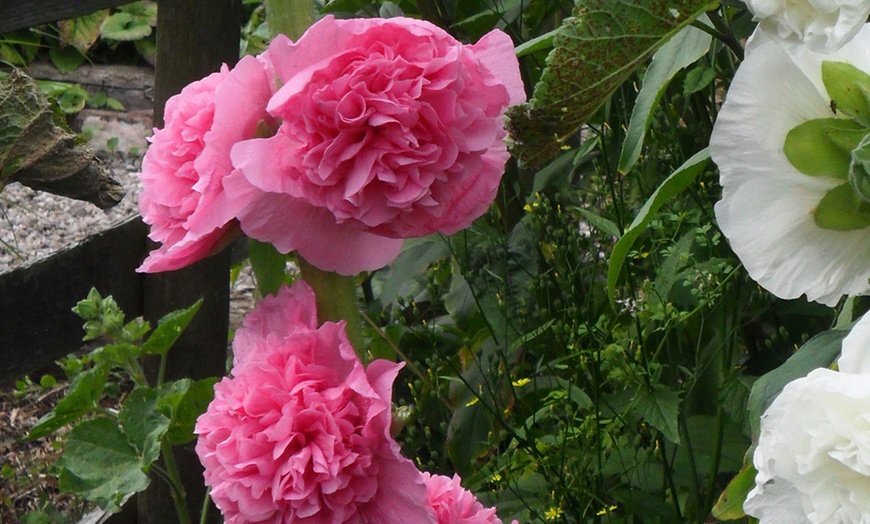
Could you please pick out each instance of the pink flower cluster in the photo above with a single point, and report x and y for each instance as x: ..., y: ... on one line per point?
x: 301, y: 432
x: 380, y: 130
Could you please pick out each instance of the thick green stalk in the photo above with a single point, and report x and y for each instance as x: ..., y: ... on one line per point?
x: 336, y: 300
x: 289, y: 17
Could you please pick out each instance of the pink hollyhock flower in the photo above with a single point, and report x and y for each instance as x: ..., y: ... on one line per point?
x: 390, y: 126
x: 187, y: 160
x: 301, y: 432
x: 454, y: 504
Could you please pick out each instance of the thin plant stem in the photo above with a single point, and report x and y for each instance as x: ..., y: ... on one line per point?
x: 203, y: 514
x: 161, y: 371
x: 175, y: 483
x: 669, y: 478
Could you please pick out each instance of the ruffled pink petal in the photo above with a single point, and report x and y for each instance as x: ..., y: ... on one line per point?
x: 301, y: 431
x: 390, y: 125
x: 170, y: 257
x: 496, y: 51
x: 290, y: 224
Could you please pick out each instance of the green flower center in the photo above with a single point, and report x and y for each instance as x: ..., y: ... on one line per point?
x: 838, y: 147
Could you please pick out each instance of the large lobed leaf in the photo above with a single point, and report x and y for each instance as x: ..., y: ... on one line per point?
x: 35, y: 150
x: 595, y: 51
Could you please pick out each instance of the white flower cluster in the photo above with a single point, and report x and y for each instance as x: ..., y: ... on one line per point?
x: 792, y: 143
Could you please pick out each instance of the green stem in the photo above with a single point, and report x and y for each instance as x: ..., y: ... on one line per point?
x: 161, y: 371
x: 203, y: 514
x: 289, y: 17
x: 336, y: 300
x: 175, y: 483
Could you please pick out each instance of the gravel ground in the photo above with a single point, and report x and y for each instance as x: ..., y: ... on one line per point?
x: 34, y: 224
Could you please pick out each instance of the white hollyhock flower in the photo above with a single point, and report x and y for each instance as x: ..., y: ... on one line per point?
x: 824, y: 25
x: 813, y: 454
x: 768, y: 205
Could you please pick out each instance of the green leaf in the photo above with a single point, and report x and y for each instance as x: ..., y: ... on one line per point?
x: 823, y: 146
x: 144, y: 11
x: 147, y: 47
x: 730, y: 503
x: 186, y: 409
x: 697, y: 79
x: 383, y: 346
x: 144, y: 423
x: 169, y: 328
x: 114, y: 104
x: 124, y: 26
x: 98, y: 99
x: 270, y: 267
x: 66, y: 59
x: 595, y: 51
x: 849, y: 89
x: 100, y: 464
x: 289, y: 18
x: 677, y: 182
x: 416, y: 255
x: 558, y: 170
x: 599, y: 222
x: 82, y: 32
x: 539, y: 43
x: 72, y: 100
x: 459, y: 300
x: 841, y: 209
x: 83, y: 397
x: 819, y: 352
x: 660, y: 408
x: 681, y: 51
x: 36, y: 517
x: 113, y: 355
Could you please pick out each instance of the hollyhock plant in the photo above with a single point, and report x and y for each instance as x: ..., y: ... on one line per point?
x: 301, y: 431
x: 390, y: 126
x: 823, y: 25
x: 813, y: 454
x: 454, y: 504
x: 189, y: 197
x: 785, y: 151
x: 182, y: 170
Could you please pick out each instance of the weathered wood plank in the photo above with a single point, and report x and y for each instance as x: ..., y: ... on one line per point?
x: 194, y: 39
x: 36, y: 324
x: 21, y: 14
x: 133, y: 86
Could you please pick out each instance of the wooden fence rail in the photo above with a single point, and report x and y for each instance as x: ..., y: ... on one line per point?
x: 36, y: 326
x: 21, y: 14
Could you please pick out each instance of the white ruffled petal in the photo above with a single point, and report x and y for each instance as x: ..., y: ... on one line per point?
x: 855, y: 355
x: 823, y: 25
x: 813, y: 453
x: 767, y: 205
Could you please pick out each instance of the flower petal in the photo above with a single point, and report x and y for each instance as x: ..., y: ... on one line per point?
x: 767, y: 205
x: 291, y: 224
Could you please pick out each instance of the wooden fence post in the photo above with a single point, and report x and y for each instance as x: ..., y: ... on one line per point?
x: 193, y: 40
